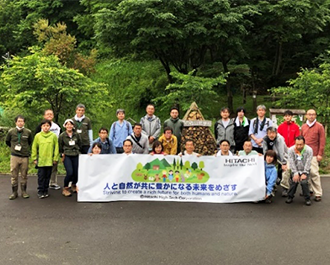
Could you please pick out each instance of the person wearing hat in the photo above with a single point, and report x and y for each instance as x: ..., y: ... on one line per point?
x: 70, y: 145
x: 45, y: 154
x: 120, y: 130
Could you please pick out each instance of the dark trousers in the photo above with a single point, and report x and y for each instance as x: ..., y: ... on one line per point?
x: 84, y: 149
x: 71, y: 167
x: 258, y: 149
x: 44, y: 174
x: 304, y: 187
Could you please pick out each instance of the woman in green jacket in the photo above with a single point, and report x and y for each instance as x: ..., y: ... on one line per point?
x: 45, y: 154
x: 70, y: 147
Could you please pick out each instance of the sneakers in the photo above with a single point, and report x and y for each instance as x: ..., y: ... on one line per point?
x: 317, y: 198
x: 41, y: 196
x: 46, y: 195
x: 308, y: 202
x: 289, y: 200
x: 66, y: 192
x: 285, y: 193
x: 54, y: 187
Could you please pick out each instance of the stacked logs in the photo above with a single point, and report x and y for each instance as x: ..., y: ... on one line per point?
x: 205, y: 143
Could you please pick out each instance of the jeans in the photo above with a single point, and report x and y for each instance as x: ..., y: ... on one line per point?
x: 71, y: 167
x: 44, y: 174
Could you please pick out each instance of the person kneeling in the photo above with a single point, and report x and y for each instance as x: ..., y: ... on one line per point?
x: 300, y: 158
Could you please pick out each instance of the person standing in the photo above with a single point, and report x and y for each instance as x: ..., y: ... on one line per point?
x: 120, y: 130
x: 258, y: 128
x: 45, y: 154
x: 300, y: 159
x: 139, y: 140
x: 289, y: 129
x: 176, y: 124
x: 83, y: 127
x: 314, y: 135
x: 241, y: 129
x: 224, y: 129
x: 70, y: 145
x: 49, y: 115
x: 151, y: 125
x: 19, y: 140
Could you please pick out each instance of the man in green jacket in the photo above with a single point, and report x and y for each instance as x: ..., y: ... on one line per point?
x: 19, y: 140
x: 176, y: 124
x: 45, y: 154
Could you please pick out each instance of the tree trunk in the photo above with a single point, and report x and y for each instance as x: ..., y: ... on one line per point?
x: 228, y: 87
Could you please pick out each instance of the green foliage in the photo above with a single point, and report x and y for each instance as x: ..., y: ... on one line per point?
x: 131, y: 84
x: 189, y: 88
x: 311, y: 89
x: 36, y: 82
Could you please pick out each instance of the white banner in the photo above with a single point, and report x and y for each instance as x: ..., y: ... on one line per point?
x: 104, y: 178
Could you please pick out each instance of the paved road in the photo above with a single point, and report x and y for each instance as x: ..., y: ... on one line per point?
x: 59, y: 230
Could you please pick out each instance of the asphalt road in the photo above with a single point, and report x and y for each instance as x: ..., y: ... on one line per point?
x: 58, y: 230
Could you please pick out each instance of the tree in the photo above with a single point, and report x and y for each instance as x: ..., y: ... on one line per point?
x: 189, y: 88
x: 181, y: 164
x: 36, y: 82
x: 177, y: 32
x: 174, y: 163
x: 187, y: 164
x: 139, y: 166
x: 311, y: 89
x: 201, y: 165
x: 147, y: 166
x: 56, y: 41
x: 194, y: 166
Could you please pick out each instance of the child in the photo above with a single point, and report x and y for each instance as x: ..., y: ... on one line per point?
x: 70, y: 145
x: 120, y: 130
x: 270, y: 173
x: 157, y: 149
x: 96, y: 149
x: 45, y: 154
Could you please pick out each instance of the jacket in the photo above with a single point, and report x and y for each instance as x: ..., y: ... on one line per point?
x: 85, y: 125
x: 300, y: 165
x: 142, y: 147
x: 151, y: 126
x: 177, y: 127
x: 279, y: 147
x: 169, y: 147
x: 23, y: 137
x: 67, y: 148
x: 222, y: 133
x: 45, y: 149
x: 107, y: 147
x: 289, y: 130
x: 270, y: 176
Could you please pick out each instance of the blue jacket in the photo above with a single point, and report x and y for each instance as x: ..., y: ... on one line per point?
x: 119, y: 132
x: 271, y: 176
x: 107, y: 147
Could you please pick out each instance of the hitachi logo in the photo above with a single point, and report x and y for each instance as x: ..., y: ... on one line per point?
x: 240, y: 160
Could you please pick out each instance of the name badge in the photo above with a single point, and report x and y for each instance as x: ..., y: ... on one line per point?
x: 79, y: 131
x: 18, y: 147
x: 299, y: 158
x: 71, y: 142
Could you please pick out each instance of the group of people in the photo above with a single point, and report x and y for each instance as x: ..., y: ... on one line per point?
x: 291, y: 155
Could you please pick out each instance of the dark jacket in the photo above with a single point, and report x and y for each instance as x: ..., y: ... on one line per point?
x: 23, y: 138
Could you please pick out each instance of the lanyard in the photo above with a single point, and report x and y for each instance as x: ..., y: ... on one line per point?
x: 19, y: 137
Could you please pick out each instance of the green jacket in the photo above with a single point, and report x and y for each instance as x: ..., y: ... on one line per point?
x: 67, y: 148
x: 84, y: 126
x: 176, y: 125
x: 24, y: 138
x: 45, y: 149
